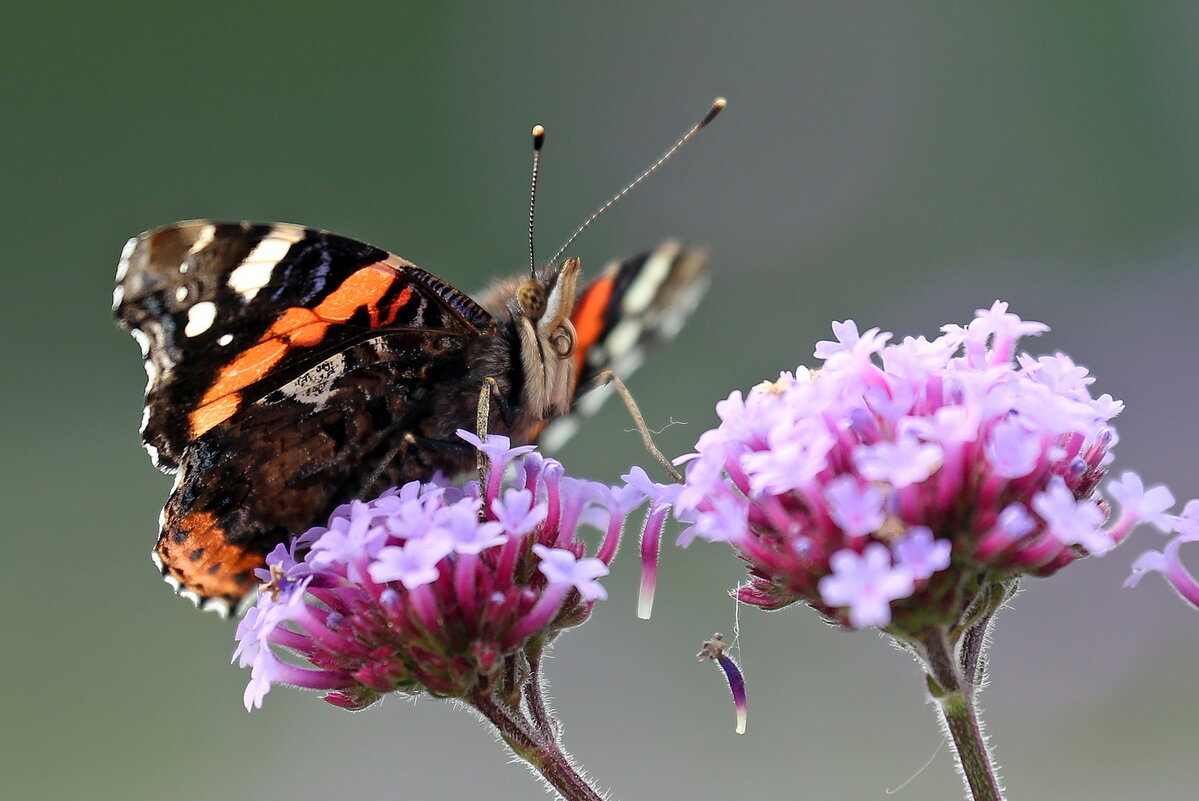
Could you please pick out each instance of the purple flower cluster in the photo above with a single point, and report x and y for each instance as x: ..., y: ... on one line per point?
x: 892, y: 485
x: 430, y: 587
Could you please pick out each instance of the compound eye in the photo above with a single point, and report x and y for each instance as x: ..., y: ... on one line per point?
x: 563, y: 340
x: 531, y: 299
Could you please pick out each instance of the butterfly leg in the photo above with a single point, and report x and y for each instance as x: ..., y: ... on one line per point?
x: 609, y: 377
x: 482, y: 423
x: 492, y: 388
x: 488, y: 392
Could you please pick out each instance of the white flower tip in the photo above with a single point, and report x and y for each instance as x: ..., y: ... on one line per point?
x: 645, y: 603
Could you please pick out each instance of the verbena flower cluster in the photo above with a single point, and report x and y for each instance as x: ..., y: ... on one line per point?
x: 431, y: 588
x: 855, y: 488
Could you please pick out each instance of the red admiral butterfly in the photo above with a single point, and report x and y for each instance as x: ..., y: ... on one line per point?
x: 292, y: 370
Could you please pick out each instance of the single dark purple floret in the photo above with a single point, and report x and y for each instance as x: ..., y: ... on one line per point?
x: 714, y: 650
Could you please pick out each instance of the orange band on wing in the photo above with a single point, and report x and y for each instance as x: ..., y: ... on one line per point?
x: 363, y: 289
x: 297, y: 327
x: 214, y: 412
x: 588, y: 318
x: 247, y: 368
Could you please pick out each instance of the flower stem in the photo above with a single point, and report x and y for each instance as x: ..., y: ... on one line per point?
x: 974, y: 760
x: 953, y: 690
x: 537, y: 748
x: 535, y: 698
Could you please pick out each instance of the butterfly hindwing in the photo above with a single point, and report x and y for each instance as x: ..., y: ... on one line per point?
x: 348, y: 428
x: 633, y: 305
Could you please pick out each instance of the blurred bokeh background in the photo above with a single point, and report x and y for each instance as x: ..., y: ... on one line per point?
x: 900, y: 164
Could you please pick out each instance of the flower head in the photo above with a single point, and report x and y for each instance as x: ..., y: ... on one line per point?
x: 429, y: 588
x: 895, y: 484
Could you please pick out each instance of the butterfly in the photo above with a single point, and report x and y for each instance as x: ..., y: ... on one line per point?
x: 291, y: 370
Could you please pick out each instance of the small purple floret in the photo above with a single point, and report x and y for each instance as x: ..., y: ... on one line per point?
x: 866, y: 583
x: 562, y: 567
x: 854, y: 506
x: 920, y: 554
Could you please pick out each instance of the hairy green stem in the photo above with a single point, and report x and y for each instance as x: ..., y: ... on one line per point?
x: 953, y: 690
x: 974, y: 760
x: 537, y: 748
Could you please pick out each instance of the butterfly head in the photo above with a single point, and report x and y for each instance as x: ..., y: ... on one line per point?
x: 547, y: 339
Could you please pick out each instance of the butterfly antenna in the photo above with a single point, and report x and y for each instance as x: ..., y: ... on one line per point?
x: 717, y: 106
x: 538, y: 141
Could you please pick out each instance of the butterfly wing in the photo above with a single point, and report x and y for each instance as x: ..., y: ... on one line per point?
x: 224, y: 313
x: 633, y: 305
x: 287, y: 369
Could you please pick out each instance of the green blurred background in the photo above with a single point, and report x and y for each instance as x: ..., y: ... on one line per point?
x: 900, y: 164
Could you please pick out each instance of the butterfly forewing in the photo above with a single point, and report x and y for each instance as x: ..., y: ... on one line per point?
x: 225, y: 313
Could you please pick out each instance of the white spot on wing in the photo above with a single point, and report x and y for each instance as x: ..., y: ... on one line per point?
x: 248, y: 600
x: 178, y: 480
x: 203, y: 240
x: 218, y: 605
x: 181, y: 294
x: 627, y: 363
x: 671, y: 318
x: 142, y: 341
x: 151, y: 373
x: 255, y: 270
x: 200, y: 318
x: 118, y: 294
x: 126, y: 252
x: 558, y: 432
x: 145, y: 420
x: 153, y: 452
x: 647, y: 283
x: 593, y: 400
x: 316, y: 386
x: 623, y: 338
x: 225, y: 339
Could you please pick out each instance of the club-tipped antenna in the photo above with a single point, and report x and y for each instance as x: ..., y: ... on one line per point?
x: 538, y: 141
x: 717, y: 106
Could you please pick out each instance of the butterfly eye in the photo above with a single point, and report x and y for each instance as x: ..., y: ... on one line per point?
x: 563, y: 340
x: 531, y: 299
